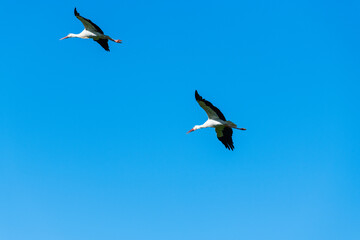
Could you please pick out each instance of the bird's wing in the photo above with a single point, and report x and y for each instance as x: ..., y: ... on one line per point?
x: 211, y: 111
x: 103, y: 43
x: 88, y: 24
x: 224, y: 134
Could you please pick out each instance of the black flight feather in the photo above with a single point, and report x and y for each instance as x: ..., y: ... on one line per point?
x: 103, y: 43
x: 226, y: 139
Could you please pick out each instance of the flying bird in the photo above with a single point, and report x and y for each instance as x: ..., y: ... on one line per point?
x: 91, y: 31
x: 218, y: 121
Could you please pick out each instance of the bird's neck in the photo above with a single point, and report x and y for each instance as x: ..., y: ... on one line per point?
x: 73, y: 35
x: 205, y: 125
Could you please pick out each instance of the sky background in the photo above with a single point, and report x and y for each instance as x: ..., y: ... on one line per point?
x: 93, y: 144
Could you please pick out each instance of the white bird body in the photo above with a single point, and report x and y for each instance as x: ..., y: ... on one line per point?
x: 216, y: 120
x: 91, y: 31
x: 85, y: 34
x: 210, y: 123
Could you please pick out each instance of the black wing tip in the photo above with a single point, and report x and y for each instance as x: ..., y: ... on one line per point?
x: 197, y: 96
x: 103, y: 43
x: 230, y: 147
x: 106, y: 49
x: 228, y: 144
x: 76, y: 12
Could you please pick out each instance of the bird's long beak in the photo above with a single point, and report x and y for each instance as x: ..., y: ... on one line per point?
x: 190, y: 131
x: 64, y: 38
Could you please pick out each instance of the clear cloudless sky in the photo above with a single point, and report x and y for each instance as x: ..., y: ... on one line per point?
x: 93, y: 144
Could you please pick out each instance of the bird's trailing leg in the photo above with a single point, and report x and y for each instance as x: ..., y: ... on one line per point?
x: 233, y: 125
x: 117, y: 41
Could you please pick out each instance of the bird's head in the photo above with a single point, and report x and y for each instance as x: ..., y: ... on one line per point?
x: 196, y: 127
x: 70, y: 35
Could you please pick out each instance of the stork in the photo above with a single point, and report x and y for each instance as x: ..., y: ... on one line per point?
x: 218, y: 121
x: 91, y: 31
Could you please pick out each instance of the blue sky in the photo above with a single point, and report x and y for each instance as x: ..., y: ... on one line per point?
x: 93, y: 144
